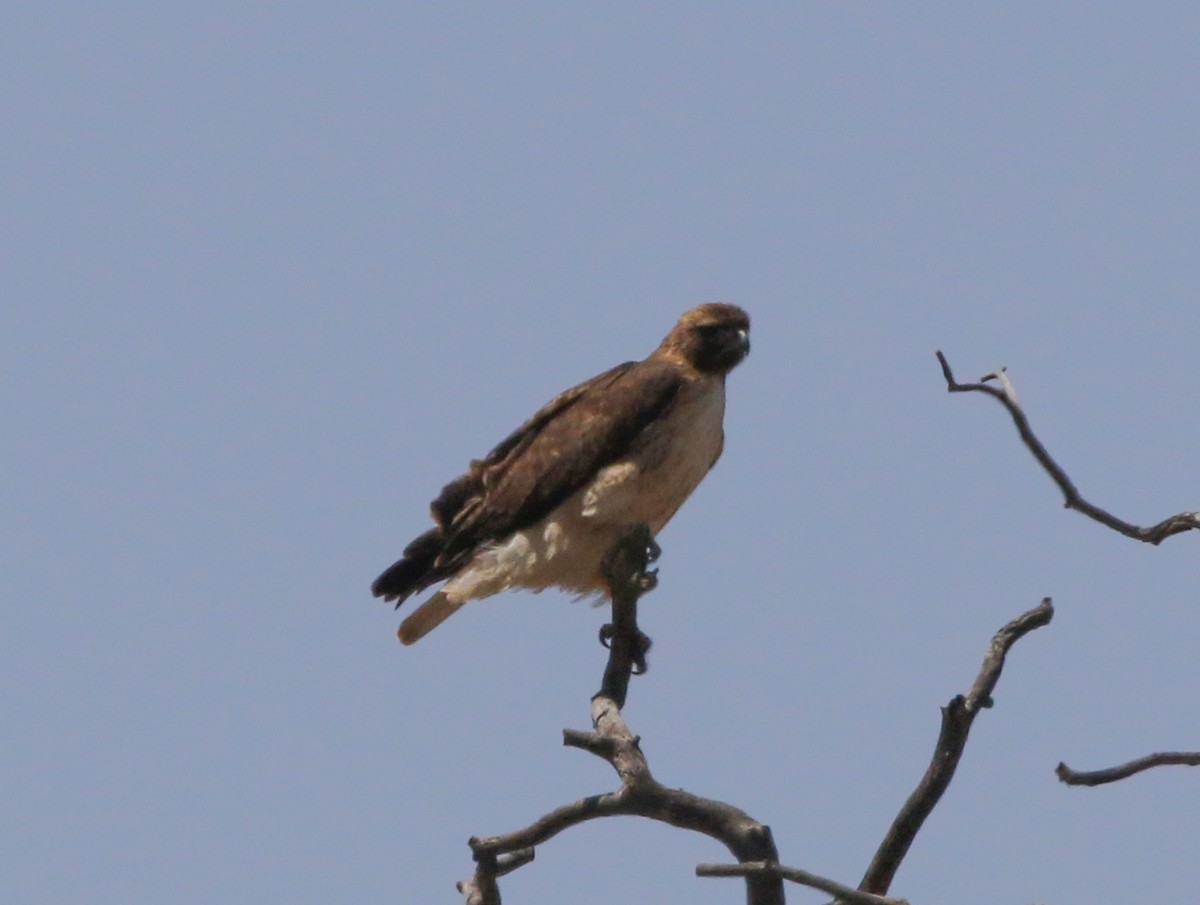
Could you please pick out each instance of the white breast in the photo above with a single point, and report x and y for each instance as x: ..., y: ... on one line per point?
x: 678, y: 452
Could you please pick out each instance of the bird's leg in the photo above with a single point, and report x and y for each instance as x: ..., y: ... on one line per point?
x: 625, y: 571
x: 624, y: 567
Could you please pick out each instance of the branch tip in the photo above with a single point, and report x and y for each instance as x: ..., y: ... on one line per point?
x: 1124, y: 771
x: 1007, y: 396
x: 957, y: 717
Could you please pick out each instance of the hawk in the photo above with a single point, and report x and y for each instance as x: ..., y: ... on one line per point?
x: 543, y: 508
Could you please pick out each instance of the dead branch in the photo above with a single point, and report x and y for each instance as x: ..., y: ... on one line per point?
x: 1005, y: 394
x: 748, y: 840
x: 957, y: 718
x: 1123, y: 771
x: 481, y: 889
x: 639, y: 794
x: 804, y: 878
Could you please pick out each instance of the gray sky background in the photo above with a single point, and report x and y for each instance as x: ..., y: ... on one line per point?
x: 271, y: 274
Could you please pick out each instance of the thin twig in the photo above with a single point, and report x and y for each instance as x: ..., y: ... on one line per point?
x: 1122, y: 771
x: 795, y: 875
x: 1006, y: 395
x: 957, y: 718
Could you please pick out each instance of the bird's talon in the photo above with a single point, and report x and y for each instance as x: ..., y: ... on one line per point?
x: 647, y: 581
x: 642, y: 645
x: 653, y: 550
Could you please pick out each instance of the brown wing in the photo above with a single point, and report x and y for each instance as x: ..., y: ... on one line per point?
x: 554, y: 454
x: 534, y: 469
x: 464, y: 494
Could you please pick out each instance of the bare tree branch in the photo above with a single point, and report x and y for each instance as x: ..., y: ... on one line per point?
x: 1155, y: 534
x: 750, y: 841
x: 803, y: 877
x: 481, y: 889
x: 640, y: 794
x: 1122, y: 771
x: 957, y: 718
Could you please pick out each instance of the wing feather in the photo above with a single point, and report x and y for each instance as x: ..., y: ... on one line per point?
x: 463, y: 495
x: 553, y: 454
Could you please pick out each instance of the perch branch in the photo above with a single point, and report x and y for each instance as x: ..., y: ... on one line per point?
x: 1122, y: 771
x: 1155, y: 534
x: 626, y: 571
x: 640, y: 794
x: 957, y: 718
x: 842, y: 893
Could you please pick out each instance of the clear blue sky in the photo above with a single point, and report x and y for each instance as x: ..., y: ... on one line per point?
x: 270, y: 274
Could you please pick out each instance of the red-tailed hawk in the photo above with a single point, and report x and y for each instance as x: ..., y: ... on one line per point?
x: 543, y: 508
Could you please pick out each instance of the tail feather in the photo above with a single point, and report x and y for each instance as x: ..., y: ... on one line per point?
x: 425, y: 618
x: 415, y: 571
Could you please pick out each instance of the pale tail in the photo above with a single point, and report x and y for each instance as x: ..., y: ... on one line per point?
x: 425, y: 618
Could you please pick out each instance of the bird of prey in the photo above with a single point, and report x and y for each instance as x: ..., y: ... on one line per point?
x: 543, y: 508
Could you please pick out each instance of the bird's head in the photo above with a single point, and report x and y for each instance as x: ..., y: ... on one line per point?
x: 712, y: 338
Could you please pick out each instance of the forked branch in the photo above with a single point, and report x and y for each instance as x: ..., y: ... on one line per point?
x: 749, y: 841
x: 1006, y: 396
x: 957, y: 718
x: 481, y: 889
